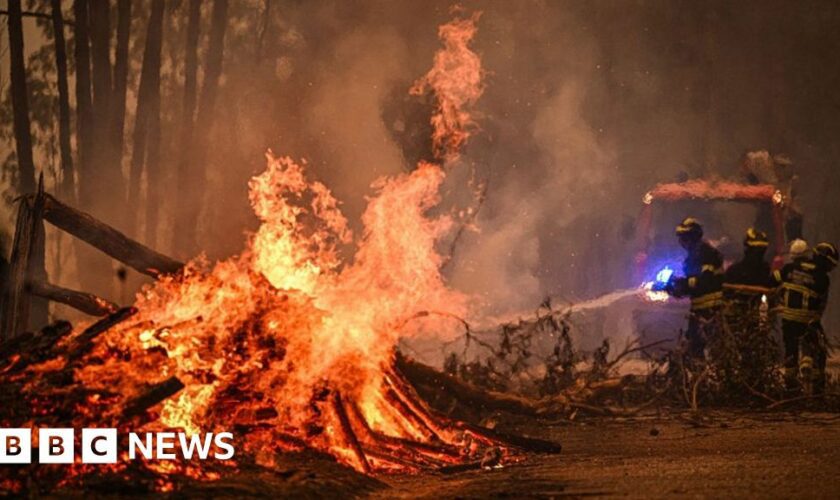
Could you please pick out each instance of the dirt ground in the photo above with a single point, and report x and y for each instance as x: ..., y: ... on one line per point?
x: 722, y: 454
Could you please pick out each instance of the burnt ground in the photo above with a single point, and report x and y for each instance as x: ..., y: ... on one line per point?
x: 722, y: 454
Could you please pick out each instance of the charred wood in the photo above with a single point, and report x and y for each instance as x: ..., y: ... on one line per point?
x: 83, y: 343
x: 156, y: 393
x: 87, y: 303
x: 27, y: 261
x: 31, y: 348
x: 109, y: 240
x: 349, y: 434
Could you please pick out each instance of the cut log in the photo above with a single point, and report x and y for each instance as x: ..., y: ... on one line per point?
x: 464, y: 391
x: 156, y: 393
x: 31, y: 348
x: 107, y: 239
x: 83, y: 343
x: 88, y: 303
x: 349, y: 434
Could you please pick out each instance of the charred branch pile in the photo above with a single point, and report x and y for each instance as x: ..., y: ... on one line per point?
x: 532, y: 367
x: 62, y: 352
x: 505, y: 370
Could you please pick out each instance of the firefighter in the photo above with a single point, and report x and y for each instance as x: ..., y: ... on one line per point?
x: 749, y: 281
x: 803, y: 292
x: 702, y: 280
x: 815, y: 345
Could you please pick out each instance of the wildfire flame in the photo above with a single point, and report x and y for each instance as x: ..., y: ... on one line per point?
x: 455, y: 80
x: 290, y: 340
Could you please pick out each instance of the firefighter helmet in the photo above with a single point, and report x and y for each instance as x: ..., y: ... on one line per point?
x: 756, y: 238
x: 827, y: 251
x: 690, y: 228
x: 798, y: 248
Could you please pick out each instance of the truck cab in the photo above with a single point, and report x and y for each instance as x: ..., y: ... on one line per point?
x: 726, y: 209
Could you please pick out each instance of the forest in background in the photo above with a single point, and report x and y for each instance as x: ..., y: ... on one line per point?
x: 588, y: 104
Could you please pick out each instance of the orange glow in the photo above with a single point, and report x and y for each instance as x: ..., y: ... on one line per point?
x: 292, y: 342
x: 455, y: 80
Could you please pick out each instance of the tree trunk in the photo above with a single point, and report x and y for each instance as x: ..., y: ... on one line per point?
x: 120, y: 82
x: 182, y: 174
x: 147, y: 122
x: 263, y: 30
x: 84, y: 117
x: 86, y: 257
x: 102, y: 173
x: 154, y: 185
x: 67, y: 188
x: 20, y: 101
x: 102, y: 189
x: 194, y: 185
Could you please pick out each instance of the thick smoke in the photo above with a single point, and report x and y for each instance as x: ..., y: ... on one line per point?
x: 587, y: 106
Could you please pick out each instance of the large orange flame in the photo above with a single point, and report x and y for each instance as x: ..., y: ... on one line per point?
x: 455, y: 80
x: 280, y: 337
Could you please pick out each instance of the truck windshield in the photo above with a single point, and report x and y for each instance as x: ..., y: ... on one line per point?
x: 724, y: 223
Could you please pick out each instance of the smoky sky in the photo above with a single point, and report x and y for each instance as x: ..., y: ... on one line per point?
x: 587, y: 106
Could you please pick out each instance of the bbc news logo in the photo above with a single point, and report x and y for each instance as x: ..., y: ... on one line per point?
x: 100, y: 446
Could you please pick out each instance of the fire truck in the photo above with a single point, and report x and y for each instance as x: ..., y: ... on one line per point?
x: 726, y: 209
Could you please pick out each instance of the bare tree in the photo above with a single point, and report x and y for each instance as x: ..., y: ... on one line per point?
x: 84, y: 113
x: 67, y: 171
x: 117, y: 126
x: 146, y: 140
x: 188, y: 111
x: 266, y: 20
x: 90, y: 196
x: 20, y: 101
x: 192, y: 184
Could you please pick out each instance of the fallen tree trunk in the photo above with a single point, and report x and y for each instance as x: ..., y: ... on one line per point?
x: 107, y: 239
x: 464, y: 391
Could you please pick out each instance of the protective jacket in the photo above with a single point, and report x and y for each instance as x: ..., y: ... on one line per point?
x: 702, y: 278
x: 746, y: 281
x: 803, y: 291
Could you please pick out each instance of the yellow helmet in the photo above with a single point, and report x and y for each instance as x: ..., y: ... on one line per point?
x: 827, y: 251
x: 756, y: 238
x: 689, y: 227
x: 798, y: 248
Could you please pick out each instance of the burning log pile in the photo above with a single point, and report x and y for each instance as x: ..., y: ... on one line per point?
x: 288, y: 345
x: 40, y: 388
